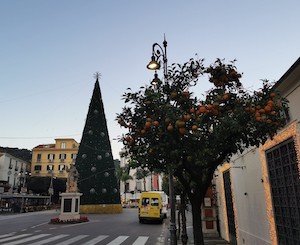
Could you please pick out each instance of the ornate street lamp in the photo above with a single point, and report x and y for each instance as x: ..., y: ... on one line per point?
x: 158, y: 53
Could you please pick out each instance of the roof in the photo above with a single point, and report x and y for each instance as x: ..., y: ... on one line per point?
x: 288, y: 72
x: 45, y: 146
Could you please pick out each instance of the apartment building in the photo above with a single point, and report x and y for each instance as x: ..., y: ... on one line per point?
x: 52, y: 160
x: 130, y: 191
x: 12, y: 173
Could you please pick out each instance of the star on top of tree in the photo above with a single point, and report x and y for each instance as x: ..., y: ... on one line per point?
x: 97, y: 75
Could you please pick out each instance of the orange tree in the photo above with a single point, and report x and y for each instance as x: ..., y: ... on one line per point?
x: 170, y: 128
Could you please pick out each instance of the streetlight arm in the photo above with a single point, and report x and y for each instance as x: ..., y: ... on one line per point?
x: 158, y: 52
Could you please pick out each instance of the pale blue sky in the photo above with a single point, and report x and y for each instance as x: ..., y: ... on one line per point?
x: 50, y: 49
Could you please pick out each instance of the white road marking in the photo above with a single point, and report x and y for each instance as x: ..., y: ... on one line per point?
x: 95, y: 240
x: 72, y: 240
x: 6, y: 235
x: 118, y: 240
x: 27, y: 239
x: 51, y: 239
x: 14, y: 237
x: 141, y: 240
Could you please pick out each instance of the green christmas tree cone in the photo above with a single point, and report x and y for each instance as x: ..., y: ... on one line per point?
x: 97, y: 181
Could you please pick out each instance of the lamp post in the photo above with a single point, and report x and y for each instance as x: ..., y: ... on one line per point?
x: 51, y: 190
x: 158, y: 53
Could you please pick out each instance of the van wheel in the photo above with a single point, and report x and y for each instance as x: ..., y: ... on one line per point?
x: 141, y: 221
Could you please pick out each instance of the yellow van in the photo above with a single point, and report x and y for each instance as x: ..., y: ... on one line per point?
x: 150, y: 207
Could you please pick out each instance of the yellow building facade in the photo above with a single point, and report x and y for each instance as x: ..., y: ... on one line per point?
x: 54, y: 159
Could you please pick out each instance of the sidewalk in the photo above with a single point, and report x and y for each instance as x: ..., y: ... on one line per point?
x: 207, y: 240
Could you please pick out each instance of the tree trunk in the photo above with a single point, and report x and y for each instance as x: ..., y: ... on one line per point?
x: 184, y: 237
x: 178, y: 224
x: 196, y: 201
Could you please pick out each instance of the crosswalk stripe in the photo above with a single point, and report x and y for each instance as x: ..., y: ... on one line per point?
x: 51, y: 239
x: 20, y: 239
x: 27, y: 239
x: 71, y: 240
x: 6, y: 235
x: 95, y: 240
x: 14, y: 237
x: 141, y: 240
x: 118, y: 240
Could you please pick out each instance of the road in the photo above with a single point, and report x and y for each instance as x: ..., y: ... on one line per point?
x: 110, y: 229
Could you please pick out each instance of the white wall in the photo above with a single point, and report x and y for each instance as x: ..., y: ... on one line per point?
x: 249, y: 198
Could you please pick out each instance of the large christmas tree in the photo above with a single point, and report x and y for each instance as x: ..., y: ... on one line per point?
x: 94, y: 162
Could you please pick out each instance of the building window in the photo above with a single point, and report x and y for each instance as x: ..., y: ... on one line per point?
x: 73, y: 155
x: 284, y: 182
x: 63, y: 145
x: 10, y: 164
x: 39, y: 157
x: 62, y: 167
x: 62, y: 157
x: 37, y: 168
x: 50, y: 168
x: 51, y: 157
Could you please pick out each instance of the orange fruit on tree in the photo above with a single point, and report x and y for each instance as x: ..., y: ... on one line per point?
x: 270, y: 103
x: 148, y: 124
x: 180, y: 123
x: 170, y: 127
x: 261, y: 111
x: 226, y: 96
x: 258, y: 119
x: 156, y: 123
x: 209, y: 106
x: 182, y: 130
x: 273, y: 94
x: 194, y: 127
x: 268, y: 108
x: 202, y: 109
x: 173, y: 95
x: 187, y: 117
